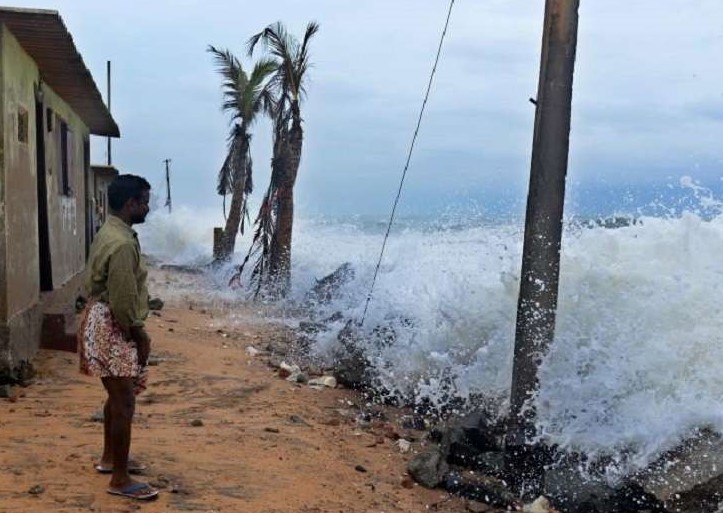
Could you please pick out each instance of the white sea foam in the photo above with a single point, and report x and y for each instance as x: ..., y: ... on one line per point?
x: 638, y: 356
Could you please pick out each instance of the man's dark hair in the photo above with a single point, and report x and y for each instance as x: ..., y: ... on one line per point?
x: 125, y: 187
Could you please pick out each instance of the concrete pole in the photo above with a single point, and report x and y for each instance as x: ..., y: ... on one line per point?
x: 537, y: 302
x: 168, y: 185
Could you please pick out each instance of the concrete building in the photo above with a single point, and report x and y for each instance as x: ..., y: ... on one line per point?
x: 50, y: 106
x: 102, y: 177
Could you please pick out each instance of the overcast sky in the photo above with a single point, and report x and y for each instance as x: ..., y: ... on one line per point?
x: 647, y: 107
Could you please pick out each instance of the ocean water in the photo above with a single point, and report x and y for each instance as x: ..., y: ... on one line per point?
x: 637, y: 361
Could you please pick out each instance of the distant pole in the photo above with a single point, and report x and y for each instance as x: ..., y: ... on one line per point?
x: 110, y: 160
x: 168, y: 184
x: 539, y: 279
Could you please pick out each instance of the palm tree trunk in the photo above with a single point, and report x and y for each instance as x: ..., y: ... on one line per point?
x: 281, y: 249
x: 233, y: 221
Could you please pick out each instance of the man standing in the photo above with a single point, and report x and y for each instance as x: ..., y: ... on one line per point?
x: 113, y: 343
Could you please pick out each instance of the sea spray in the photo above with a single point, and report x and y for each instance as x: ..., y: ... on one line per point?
x: 638, y: 356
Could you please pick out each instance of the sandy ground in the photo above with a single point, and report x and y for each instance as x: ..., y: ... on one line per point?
x: 265, y: 445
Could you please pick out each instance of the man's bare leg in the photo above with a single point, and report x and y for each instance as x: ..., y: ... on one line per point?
x: 121, y: 404
x: 106, y: 460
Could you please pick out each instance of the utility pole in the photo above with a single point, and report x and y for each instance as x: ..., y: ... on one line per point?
x: 108, y: 85
x: 168, y: 185
x: 539, y: 278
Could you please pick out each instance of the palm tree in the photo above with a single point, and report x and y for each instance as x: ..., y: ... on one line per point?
x: 288, y: 85
x: 245, y: 97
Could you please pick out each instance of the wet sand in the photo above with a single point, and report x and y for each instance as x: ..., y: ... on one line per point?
x: 218, y: 427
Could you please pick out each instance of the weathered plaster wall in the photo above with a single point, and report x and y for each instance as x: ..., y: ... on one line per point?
x: 66, y: 213
x: 21, y: 197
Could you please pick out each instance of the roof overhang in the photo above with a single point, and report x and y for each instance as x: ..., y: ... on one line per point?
x: 102, y: 170
x: 43, y: 35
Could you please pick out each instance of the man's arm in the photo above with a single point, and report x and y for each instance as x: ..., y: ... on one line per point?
x: 123, y: 296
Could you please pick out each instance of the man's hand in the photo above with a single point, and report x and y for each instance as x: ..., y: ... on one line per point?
x: 143, y: 344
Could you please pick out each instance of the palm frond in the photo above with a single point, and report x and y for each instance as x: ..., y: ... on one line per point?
x: 260, y: 247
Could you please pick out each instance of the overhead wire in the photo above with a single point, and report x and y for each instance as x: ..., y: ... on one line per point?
x: 406, y: 165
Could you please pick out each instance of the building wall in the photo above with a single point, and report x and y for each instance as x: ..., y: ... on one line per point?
x: 20, y: 326
x: 20, y: 305
x: 66, y: 209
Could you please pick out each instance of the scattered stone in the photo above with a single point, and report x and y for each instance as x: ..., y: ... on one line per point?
x: 271, y: 430
x: 155, y: 304
x: 360, y: 468
x: 197, y: 423
x: 404, y: 445
x: 160, y: 482
x: 324, y: 381
x: 295, y: 419
x: 481, y: 488
x: 407, y: 482
x: 292, y: 373
x: 428, y: 468
x: 478, y: 507
x: 252, y: 351
x: 540, y: 505
x: 38, y: 489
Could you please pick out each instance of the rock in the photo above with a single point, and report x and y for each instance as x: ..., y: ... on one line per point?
x: 428, y: 468
x: 6, y: 391
x: 271, y: 430
x: 327, y: 289
x: 407, y: 482
x: 577, y: 493
x: 292, y: 373
x: 295, y: 419
x: 415, y: 422
x: 699, y: 460
x: 197, y: 423
x: 705, y: 498
x: 252, y: 351
x: 478, y: 507
x: 404, y: 445
x: 359, y: 468
x: 155, y: 304
x: 324, y: 381
x: 160, y: 482
x: 351, y: 367
x: 481, y: 488
x: 38, y: 489
x: 540, y: 505
x: 474, y: 442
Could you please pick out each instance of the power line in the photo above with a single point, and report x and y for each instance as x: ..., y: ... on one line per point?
x: 409, y: 158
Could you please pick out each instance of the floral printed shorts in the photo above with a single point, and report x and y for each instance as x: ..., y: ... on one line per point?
x: 104, y: 350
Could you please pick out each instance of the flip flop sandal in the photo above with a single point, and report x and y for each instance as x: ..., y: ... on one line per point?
x: 133, y: 468
x: 136, y: 491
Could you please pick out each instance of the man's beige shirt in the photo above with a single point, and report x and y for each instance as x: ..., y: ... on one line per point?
x: 116, y: 273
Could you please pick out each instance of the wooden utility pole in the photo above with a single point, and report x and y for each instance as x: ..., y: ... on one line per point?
x: 168, y: 185
x: 537, y: 302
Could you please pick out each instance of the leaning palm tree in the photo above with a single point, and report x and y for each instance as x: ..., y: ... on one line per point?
x: 244, y: 97
x: 288, y: 86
